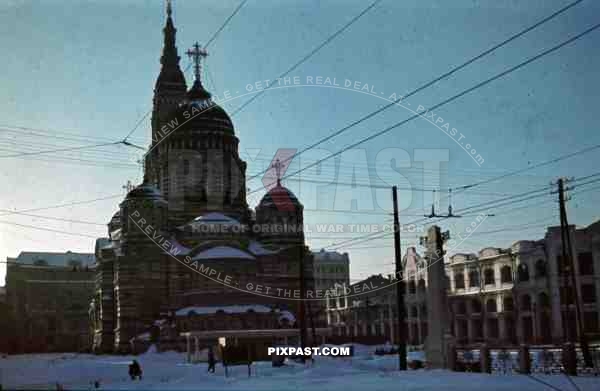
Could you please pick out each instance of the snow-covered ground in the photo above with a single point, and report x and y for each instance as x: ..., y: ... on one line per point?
x: 363, y: 372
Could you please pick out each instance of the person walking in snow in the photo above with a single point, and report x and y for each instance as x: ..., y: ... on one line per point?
x: 135, y: 370
x: 211, y: 360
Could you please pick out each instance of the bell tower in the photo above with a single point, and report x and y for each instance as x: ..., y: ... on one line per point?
x: 169, y: 91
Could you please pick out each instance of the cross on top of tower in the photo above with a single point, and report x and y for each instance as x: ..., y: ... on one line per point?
x: 277, y: 165
x: 196, y: 53
x: 169, y: 8
x: 128, y: 186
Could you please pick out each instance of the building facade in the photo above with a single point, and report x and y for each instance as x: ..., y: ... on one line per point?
x: 185, y: 237
x: 330, y: 268
x: 523, y: 294
x: 48, y: 296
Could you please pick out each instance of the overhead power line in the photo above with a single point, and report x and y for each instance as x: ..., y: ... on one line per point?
x: 430, y: 83
x: 47, y: 229
x: 451, y: 99
x: 216, y: 33
x: 308, y: 55
x: 64, y: 205
x: 60, y: 150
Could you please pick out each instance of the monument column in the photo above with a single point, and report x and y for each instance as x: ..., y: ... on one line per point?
x: 437, y: 300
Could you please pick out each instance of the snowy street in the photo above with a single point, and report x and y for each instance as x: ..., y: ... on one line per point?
x: 169, y: 371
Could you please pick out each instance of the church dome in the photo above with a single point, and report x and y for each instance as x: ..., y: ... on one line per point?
x: 145, y: 191
x: 281, y: 198
x: 199, y: 112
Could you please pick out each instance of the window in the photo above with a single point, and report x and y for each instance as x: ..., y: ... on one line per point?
x: 473, y: 278
x: 523, y: 272
x: 505, y: 274
x: 540, y: 269
x: 590, y: 322
x: 40, y: 262
x: 525, y: 303
x: 476, y: 306
x: 508, y: 304
x: 588, y: 293
x: 491, y: 306
x: 459, y: 281
x: 421, y: 284
x: 186, y: 167
x: 488, y: 276
x: 586, y: 263
x: 461, y: 308
x: 543, y: 301
x: 566, y: 295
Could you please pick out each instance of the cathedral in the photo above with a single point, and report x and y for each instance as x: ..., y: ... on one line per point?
x: 193, y: 199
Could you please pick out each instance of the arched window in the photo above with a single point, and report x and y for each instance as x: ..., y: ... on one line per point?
x: 540, y: 269
x: 459, y: 281
x: 523, y: 272
x: 475, y: 306
x: 505, y: 274
x: 473, y: 278
x: 525, y: 303
x: 488, y: 276
x: 421, y: 284
x: 508, y: 304
x: 461, y: 308
x: 543, y: 301
x: 412, y: 287
x: 491, y: 306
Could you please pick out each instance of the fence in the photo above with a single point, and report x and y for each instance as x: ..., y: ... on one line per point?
x: 546, y: 359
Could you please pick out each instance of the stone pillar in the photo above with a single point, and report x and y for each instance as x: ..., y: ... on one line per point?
x: 569, y: 359
x: 485, y: 359
x: 391, y: 322
x: 470, y: 337
x: 452, y: 359
x: 189, y: 349
x: 438, y: 316
x: 524, y: 360
x: 502, y: 328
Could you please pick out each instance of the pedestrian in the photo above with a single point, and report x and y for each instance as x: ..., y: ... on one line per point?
x: 211, y: 360
x: 135, y: 370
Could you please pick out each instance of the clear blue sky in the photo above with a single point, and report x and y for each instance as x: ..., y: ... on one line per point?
x: 87, y: 68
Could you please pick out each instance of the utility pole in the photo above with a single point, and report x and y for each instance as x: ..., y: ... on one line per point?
x: 302, y: 303
x: 567, y: 256
x: 399, y: 285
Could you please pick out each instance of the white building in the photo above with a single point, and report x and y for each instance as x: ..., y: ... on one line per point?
x: 330, y: 268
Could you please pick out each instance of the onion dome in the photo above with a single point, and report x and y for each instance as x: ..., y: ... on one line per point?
x: 145, y: 191
x: 280, y: 198
x: 201, y: 113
